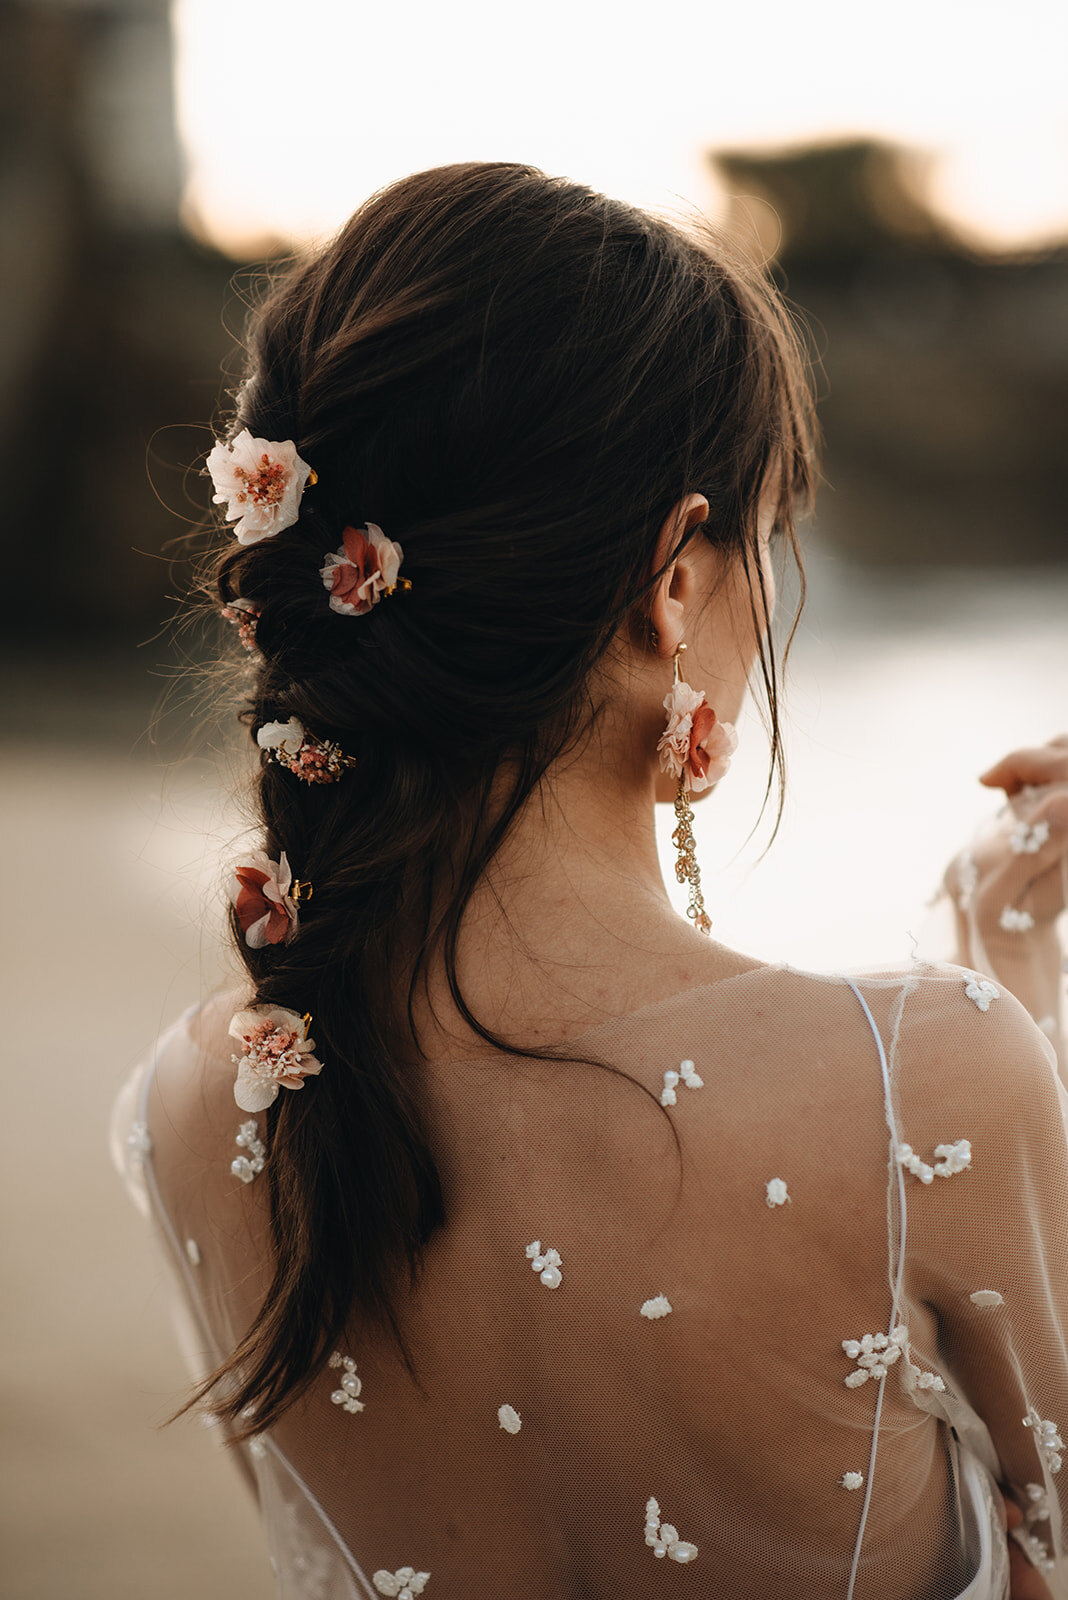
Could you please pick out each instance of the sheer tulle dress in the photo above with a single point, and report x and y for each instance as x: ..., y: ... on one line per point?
x: 766, y: 1311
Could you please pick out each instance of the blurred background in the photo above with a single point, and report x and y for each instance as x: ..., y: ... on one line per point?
x: 904, y: 170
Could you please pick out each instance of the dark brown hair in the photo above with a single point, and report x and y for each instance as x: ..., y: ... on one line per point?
x: 516, y: 378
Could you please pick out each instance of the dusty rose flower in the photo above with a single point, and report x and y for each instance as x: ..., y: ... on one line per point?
x: 260, y: 481
x: 246, y: 616
x: 259, y: 893
x: 277, y: 1055
x: 695, y: 741
x: 357, y: 574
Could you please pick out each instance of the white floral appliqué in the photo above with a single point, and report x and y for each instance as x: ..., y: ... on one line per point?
x: 982, y: 991
x: 687, y: 1074
x: 509, y: 1419
x: 949, y: 1158
x: 260, y: 481
x: 348, y: 1395
x: 547, y: 1263
x: 663, y: 1539
x: 986, y: 1297
x: 1048, y: 1441
x: 852, y: 1480
x: 248, y: 1167
x: 874, y: 1354
x: 1014, y: 921
x: 775, y: 1191
x: 404, y: 1584
x: 1027, y: 841
x: 659, y: 1306
x: 139, y: 1142
x: 1035, y: 1549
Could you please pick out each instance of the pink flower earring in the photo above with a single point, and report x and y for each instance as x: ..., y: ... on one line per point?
x: 696, y: 748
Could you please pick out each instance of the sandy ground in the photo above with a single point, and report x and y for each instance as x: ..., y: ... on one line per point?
x: 110, y: 866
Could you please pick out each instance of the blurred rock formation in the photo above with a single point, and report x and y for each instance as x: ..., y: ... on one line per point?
x: 944, y: 391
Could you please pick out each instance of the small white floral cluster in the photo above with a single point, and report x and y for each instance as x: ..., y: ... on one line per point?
x: 348, y: 1395
x: 1048, y: 1441
x: 139, y: 1143
x: 547, y: 1263
x: 1033, y: 1547
x: 1014, y: 921
x: 775, y: 1192
x: 982, y: 991
x: 509, y: 1419
x: 687, y: 1074
x: 949, y: 1158
x: 250, y: 1166
x: 663, y: 1539
x: 852, y: 1480
x: 874, y: 1354
x: 659, y: 1306
x: 404, y: 1584
x: 1027, y: 841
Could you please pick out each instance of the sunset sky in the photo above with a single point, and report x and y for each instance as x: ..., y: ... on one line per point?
x: 292, y: 113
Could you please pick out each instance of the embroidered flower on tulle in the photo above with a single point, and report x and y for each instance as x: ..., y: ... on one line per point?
x: 694, y: 741
x: 663, y: 1539
x: 404, y: 1584
x: 1026, y: 840
x: 687, y: 1075
x: 986, y: 1297
x: 919, y: 1379
x: 509, y: 1419
x: 245, y: 616
x: 260, y: 481
x: 659, y: 1306
x: 1036, y: 1510
x: 949, y: 1158
x: 547, y: 1263
x: 139, y: 1142
x: 852, y: 1480
x: 362, y: 570
x: 347, y: 1395
x: 982, y: 991
x: 292, y: 746
x: 259, y: 893
x: 874, y: 1354
x: 1014, y: 921
x: 278, y: 1055
x: 1048, y: 1441
x: 249, y: 1166
x: 775, y: 1192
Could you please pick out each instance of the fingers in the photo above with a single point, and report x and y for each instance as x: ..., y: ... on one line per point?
x: 1036, y: 764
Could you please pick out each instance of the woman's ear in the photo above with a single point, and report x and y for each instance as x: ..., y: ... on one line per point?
x: 666, y: 613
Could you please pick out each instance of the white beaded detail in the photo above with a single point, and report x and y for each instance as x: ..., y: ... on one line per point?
x: 852, y: 1480
x: 192, y: 1250
x: 986, y: 1297
x: 1035, y: 1549
x: 926, y: 1380
x: 659, y: 1306
x: 348, y: 1395
x: 547, y: 1263
x: 247, y: 1167
x: 404, y: 1584
x: 139, y: 1142
x: 967, y: 879
x: 687, y: 1075
x: 1048, y: 1441
x: 982, y: 991
x: 949, y: 1158
x: 775, y: 1190
x: 1026, y: 841
x: 663, y: 1539
x: 874, y: 1354
x: 509, y: 1419
x: 1014, y: 921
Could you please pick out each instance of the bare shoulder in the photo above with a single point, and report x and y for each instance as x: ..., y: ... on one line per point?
x: 191, y: 1107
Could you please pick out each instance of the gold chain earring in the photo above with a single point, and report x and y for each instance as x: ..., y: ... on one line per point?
x: 674, y: 753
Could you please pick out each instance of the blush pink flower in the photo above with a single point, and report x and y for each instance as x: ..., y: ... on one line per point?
x: 260, y: 481
x: 277, y: 1055
x: 259, y: 893
x: 695, y: 741
x: 357, y: 574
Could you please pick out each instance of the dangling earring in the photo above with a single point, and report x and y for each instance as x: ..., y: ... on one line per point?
x: 696, y: 748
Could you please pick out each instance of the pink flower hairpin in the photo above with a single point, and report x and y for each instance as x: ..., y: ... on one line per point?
x: 292, y: 746
x: 695, y: 741
x: 262, y: 894
x: 277, y: 1054
x: 245, y: 615
x: 260, y: 481
x: 362, y: 571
